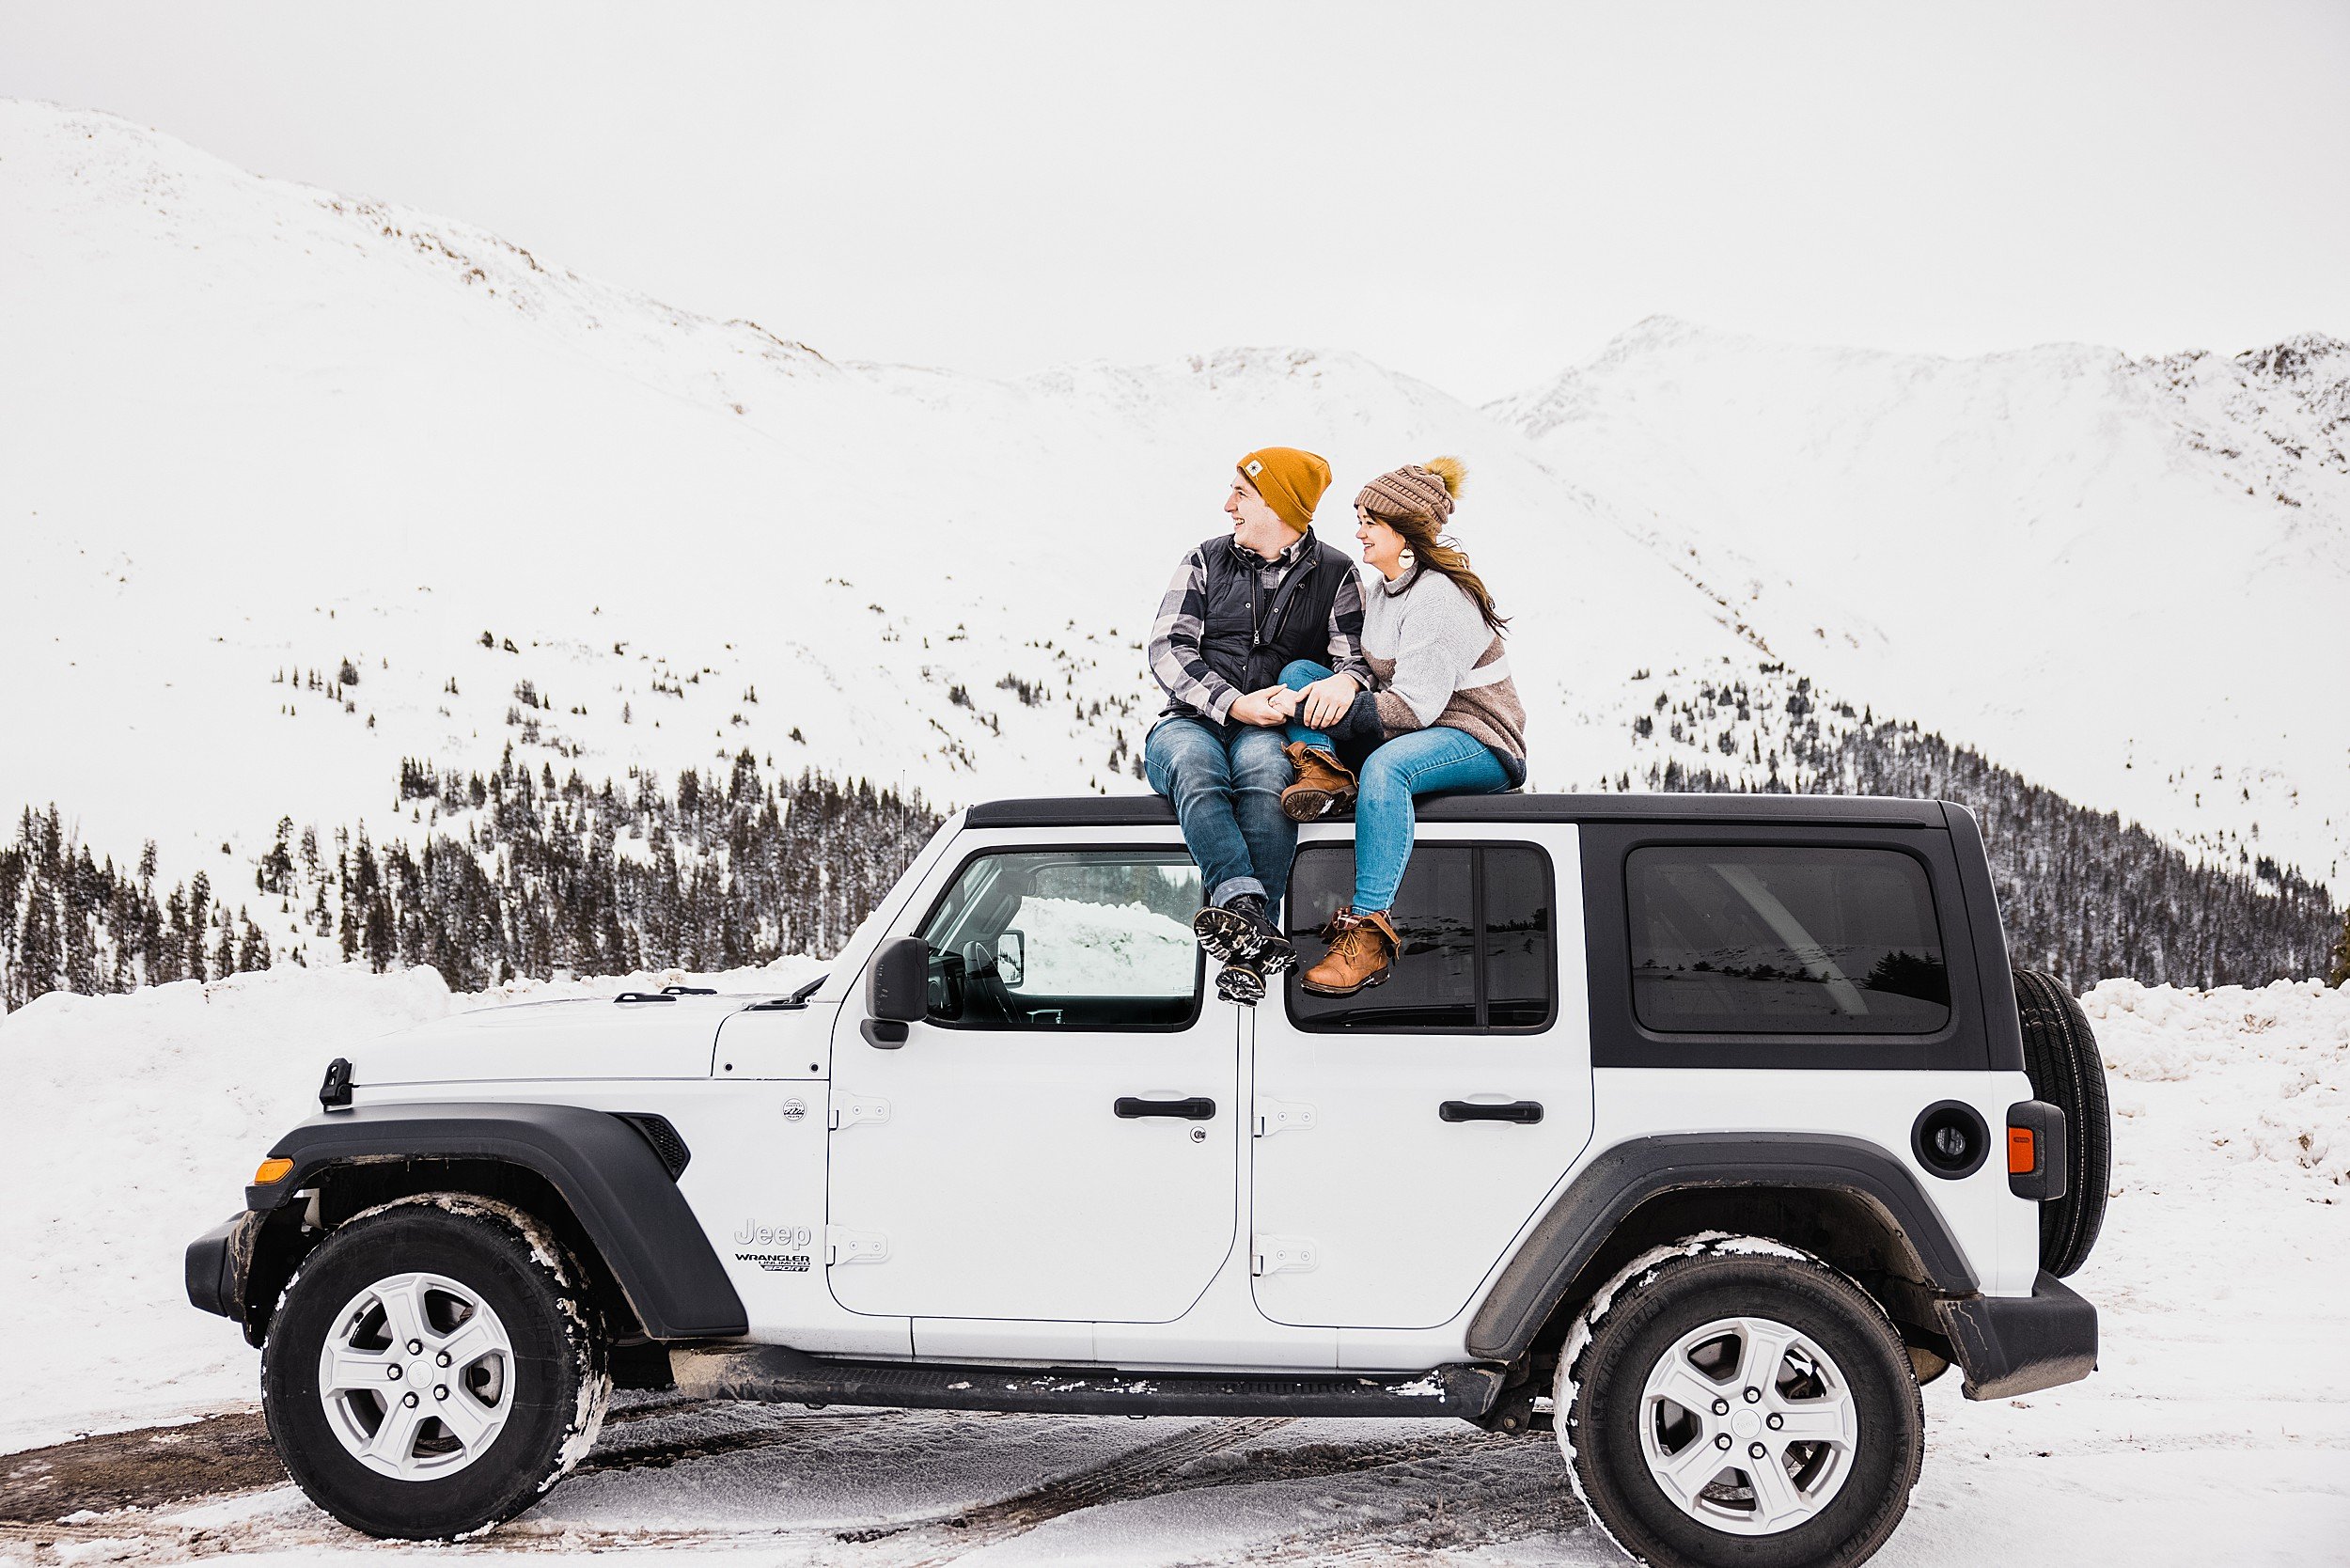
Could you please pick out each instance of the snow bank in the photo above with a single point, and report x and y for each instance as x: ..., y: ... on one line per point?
x: 2215, y: 1427
x: 1078, y: 947
x: 2294, y: 1036
x: 138, y: 1118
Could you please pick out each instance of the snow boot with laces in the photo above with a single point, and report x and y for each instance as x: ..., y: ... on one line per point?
x: 1239, y: 932
x: 1324, y: 787
x: 1241, y: 984
x: 1362, y: 953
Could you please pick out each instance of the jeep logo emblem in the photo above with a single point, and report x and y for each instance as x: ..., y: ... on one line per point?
x: 752, y: 1234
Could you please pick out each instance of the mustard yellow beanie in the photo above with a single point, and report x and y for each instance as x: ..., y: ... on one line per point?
x: 1292, y: 482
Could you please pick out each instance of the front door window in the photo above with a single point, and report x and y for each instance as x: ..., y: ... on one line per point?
x: 1067, y: 940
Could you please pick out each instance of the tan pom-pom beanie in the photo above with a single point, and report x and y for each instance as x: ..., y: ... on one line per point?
x: 1415, y: 492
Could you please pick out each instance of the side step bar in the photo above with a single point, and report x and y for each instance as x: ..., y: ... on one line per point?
x: 775, y: 1374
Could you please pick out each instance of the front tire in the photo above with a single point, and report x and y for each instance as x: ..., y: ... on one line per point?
x: 1731, y: 1401
x: 433, y: 1368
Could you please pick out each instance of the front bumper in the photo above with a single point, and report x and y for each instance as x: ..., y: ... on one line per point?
x: 220, y: 1265
x: 2015, y: 1345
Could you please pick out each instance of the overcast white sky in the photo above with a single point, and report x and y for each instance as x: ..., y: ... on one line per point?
x: 1478, y: 195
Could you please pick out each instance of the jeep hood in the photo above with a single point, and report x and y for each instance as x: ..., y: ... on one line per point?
x: 593, y: 1038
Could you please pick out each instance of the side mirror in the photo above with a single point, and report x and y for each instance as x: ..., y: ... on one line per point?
x: 897, y: 991
x: 1011, y: 960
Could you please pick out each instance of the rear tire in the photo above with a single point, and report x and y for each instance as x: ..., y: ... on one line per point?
x: 1677, y: 1483
x: 524, y: 1385
x: 2061, y: 1058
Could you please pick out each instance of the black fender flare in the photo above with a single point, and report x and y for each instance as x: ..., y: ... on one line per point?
x: 619, y: 1190
x: 1627, y: 1175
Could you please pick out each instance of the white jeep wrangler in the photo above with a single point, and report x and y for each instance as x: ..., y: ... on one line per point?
x: 1702, y: 1128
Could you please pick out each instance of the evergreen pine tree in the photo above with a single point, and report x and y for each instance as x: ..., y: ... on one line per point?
x: 38, y: 957
x: 253, y: 954
x: 168, y: 959
x: 275, y: 873
x: 199, y: 916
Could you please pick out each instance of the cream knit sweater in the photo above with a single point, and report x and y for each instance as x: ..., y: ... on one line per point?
x: 1434, y: 661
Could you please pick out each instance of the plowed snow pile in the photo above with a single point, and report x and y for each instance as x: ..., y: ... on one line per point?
x: 2218, y: 1429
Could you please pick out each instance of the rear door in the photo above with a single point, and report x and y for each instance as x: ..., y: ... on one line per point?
x: 1405, y: 1135
x: 1057, y: 1141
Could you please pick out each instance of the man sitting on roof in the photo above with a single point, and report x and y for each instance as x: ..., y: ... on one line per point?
x: 1243, y: 606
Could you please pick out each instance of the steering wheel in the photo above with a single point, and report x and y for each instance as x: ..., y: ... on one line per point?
x: 983, y: 982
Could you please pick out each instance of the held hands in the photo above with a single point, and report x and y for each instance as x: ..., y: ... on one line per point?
x: 1265, y: 708
x: 1322, y: 703
x: 1325, y: 701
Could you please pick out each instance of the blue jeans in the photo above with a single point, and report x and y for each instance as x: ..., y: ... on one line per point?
x: 1226, y: 781
x: 1432, y: 762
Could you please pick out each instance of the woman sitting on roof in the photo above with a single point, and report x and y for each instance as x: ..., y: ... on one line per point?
x: 1442, y: 716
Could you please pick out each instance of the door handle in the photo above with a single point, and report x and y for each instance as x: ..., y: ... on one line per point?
x: 1524, y: 1112
x: 1197, y: 1108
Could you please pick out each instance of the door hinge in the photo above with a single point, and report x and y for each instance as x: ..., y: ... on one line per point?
x: 1284, y: 1116
x: 844, y: 1246
x: 1283, y: 1255
x: 849, y: 1109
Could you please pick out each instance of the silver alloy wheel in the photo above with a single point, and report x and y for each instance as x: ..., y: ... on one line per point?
x: 1748, y: 1426
x: 417, y: 1376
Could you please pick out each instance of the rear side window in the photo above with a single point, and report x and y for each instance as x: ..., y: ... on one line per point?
x: 1475, y: 925
x: 1740, y: 939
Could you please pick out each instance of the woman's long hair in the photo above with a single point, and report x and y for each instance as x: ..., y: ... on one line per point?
x: 1436, y: 552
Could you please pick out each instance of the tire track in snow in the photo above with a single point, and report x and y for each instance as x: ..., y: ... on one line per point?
x: 1176, y: 1467
x: 1513, y: 1490
x: 663, y: 1454
x: 119, y: 1475
x: 148, y: 1467
x: 1139, y: 1472
x: 221, y: 1456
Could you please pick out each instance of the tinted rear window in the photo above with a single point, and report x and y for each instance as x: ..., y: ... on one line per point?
x: 1751, y: 940
x: 1476, y: 927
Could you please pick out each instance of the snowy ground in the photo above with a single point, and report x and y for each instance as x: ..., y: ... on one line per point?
x: 2217, y: 1431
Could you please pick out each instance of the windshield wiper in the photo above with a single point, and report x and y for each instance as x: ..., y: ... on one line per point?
x: 797, y: 999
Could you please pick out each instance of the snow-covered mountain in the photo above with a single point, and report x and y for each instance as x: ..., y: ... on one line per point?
x: 2129, y: 578
x: 253, y: 427
x: 251, y: 430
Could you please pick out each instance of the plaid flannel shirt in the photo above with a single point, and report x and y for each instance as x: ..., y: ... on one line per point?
x: 1175, y: 652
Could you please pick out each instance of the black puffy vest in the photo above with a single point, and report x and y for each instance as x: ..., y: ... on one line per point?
x: 1249, y: 635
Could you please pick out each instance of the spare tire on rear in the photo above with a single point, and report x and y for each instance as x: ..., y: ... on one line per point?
x: 2061, y: 1058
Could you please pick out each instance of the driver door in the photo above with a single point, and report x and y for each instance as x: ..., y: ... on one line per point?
x: 1057, y: 1139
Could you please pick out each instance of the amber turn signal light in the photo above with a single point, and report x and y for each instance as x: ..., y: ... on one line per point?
x: 2022, y: 1156
x: 272, y: 1171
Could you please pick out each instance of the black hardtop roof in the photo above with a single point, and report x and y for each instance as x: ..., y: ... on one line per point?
x: 1152, y: 810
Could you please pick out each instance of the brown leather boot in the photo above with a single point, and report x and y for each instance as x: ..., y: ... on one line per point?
x: 1325, y: 788
x: 1362, y: 953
